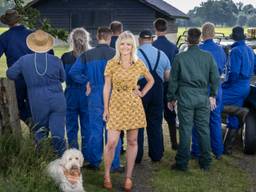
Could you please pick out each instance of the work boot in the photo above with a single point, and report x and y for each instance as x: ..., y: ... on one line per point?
x: 240, y: 112
x: 229, y: 140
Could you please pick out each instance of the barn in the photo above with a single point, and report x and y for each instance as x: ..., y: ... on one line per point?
x: 136, y: 15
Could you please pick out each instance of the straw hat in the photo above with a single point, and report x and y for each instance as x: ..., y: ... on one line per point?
x: 10, y: 17
x: 40, y: 41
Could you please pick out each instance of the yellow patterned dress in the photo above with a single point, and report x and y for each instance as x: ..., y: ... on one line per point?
x: 125, y: 108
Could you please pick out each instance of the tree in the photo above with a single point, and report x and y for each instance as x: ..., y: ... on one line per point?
x: 252, y: 21
x: 32, y: 18
x: 241, y: 20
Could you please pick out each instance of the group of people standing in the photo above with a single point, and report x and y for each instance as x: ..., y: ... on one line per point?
x: 122, y: 88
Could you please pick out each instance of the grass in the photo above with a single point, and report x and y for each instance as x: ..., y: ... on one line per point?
x: 22, y: 170
x: 223, y: 176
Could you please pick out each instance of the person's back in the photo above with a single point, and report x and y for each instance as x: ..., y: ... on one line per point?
x: 166, y: 46
x: 13, y: 43
x: 193, y: 64
x: 237, y: 86
x: 96, y: 60
x: 216, y: 51
x: 89, y: 69
x: 192, y: 73
x: 42, y: 76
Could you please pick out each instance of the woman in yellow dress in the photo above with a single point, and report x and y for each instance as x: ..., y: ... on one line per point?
x: 123, y: 109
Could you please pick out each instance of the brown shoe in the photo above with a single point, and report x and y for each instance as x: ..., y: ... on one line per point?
x: 128, y: 184
x: 107, y: 183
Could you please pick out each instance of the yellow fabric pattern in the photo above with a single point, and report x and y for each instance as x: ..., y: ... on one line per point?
x: 125, y: 108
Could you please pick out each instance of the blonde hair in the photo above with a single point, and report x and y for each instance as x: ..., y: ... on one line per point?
x: 79, y: 41
x: 208, y: 29
x: 126, y: 35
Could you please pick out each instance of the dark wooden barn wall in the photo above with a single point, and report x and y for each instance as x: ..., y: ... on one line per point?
x: 90, y: 14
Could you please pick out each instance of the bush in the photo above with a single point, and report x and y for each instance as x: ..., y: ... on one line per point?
x: 23, y: 170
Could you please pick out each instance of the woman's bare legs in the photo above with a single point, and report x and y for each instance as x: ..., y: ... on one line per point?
x: 132, y: 149
x: 112, y: 140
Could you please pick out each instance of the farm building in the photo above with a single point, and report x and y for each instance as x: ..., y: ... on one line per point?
x: 136, y: 15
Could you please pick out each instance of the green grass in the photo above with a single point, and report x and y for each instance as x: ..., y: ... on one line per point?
x: 223, y: 176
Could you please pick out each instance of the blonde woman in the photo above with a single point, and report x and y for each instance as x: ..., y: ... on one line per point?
x: 123, y: 108
x: 75, y: 93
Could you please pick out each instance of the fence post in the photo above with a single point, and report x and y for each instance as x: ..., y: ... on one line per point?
x: 9, y: 114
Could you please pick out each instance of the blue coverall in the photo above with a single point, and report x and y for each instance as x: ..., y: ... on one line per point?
x: 237, y: 87
x: 77, y: 106
x: 46, y: 98
x: 13, y: 44
x: 90, y: 67
x: 215, y: 116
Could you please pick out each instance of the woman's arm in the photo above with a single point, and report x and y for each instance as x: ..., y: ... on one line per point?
x: 148, y: 86
x: 106, y: 95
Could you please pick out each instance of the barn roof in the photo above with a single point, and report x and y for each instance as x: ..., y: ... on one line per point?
x: 159, y: 5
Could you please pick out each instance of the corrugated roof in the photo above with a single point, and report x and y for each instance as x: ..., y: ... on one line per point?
x: 159, y: 5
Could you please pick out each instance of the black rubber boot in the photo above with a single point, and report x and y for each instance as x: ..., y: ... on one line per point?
x: 173, y: 136
x: 229, y: 140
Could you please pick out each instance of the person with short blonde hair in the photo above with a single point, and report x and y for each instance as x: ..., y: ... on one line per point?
x: 208, y: 30
x: 123, y: 109
x: 79, y: 42
x: 208, y: 44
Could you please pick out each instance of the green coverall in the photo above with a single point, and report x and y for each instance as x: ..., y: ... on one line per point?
x: 193, y: 72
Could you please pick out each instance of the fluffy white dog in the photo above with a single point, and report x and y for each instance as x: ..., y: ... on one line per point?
x: 66, y: 171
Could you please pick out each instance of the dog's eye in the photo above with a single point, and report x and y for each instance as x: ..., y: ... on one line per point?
x: 70, y: 159
x: 77, y: 158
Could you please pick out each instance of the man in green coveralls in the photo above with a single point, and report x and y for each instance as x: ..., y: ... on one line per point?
x: 193, y: 74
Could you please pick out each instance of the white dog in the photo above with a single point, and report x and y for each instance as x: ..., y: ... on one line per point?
x: 66, y: 171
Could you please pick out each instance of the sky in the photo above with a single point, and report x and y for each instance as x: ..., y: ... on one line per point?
x: 186, y: 5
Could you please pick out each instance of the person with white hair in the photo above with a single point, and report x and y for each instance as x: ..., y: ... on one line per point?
x: 43, y: 74
x: 208, y: 33
x: 75, y: 94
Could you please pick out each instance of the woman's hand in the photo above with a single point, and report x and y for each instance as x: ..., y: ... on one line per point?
x: 88, y: 89
x: 139, y: 93
x: 105, y: 115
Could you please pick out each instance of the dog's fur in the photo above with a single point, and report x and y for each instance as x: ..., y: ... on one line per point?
x: 72, y: 159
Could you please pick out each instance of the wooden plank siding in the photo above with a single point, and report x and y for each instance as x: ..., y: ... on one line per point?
x: 90, y: 14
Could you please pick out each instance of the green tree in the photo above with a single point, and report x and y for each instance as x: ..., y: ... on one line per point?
x: 32, y: 18
x: 241, y: 20
x: 252, y: 21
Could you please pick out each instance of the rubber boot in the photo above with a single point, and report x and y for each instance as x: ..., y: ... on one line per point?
x: 173, y: 137
x: 229, y: 140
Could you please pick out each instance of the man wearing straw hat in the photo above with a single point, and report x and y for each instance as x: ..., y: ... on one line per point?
x: 13, y: 45
x: 43, y: 74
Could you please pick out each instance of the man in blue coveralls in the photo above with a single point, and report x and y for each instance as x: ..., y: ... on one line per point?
x: 89, y: 69
x: 170, y: 50
x: 13, y: 45
x: 159, y: 66
x: 208, y: 33
x: 237, y: 87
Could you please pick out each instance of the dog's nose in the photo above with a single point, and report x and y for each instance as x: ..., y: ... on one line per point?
x: 74, y: 167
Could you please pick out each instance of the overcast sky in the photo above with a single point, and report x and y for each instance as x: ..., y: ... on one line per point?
x: 186, y: 5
